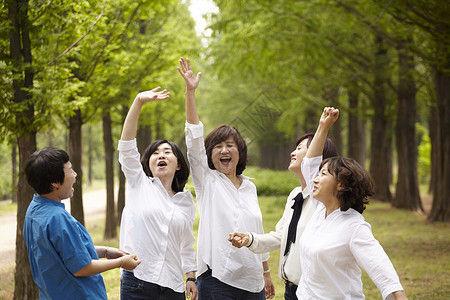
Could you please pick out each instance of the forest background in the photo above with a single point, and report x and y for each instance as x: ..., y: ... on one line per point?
x: 70, y: 69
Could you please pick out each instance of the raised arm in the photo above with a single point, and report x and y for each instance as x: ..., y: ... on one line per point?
x: 131, y: 121
x: 329, y: 116
x: 191, y: 84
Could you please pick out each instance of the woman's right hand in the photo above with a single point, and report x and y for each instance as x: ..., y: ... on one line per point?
x: 152, y: 95
x: 239, y: 239
x: 129, y: 262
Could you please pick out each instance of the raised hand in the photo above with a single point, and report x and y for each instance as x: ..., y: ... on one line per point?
x: 152, y: 95
x: 189, y: 78
x: 329, y: 116
x: 239, y: 239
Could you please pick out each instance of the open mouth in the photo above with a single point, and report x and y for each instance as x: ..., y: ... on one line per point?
x: 225, y: 160
x: 162, y: 164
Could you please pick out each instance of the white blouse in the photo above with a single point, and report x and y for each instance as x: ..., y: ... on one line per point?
x: 223, y: 209
x: 289, y: 267
x: 156, y: 227
x: 333, y: 248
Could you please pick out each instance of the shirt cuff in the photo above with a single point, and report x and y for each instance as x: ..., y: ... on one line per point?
x: 127, y: 145
x: 250, y: 240
x: 196, y: 130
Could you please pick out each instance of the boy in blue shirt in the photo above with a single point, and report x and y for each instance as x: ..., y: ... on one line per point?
x: 64, y: 261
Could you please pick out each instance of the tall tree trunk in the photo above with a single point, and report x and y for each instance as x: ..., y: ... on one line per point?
x: 76, y: 154
x: 144, y: 137
x: 110, y: 225
x: 407, y: 191
x: 356, y: 128
x: 121, y: 192
x: 332, y: 99
x: 379, y: 148
x: 14, y: 171
x: 22, y: 79
x: 440, y: 210
x: 274, y: 150
x: 90, y: 150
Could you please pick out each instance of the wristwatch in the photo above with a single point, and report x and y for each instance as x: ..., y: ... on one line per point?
x: 191, y: 279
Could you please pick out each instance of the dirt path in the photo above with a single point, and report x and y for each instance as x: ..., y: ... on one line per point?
x: 94, y: 208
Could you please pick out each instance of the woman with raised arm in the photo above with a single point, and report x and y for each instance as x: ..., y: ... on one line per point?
x: 227, y: 202
x: 298, y: 210
x: 157, y: 221
x: 337, y: 240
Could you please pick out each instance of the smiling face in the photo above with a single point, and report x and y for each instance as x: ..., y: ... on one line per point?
x: 325, y: 186
x: 225, y: 156
x: 297, y: 157
x: 65, y: 190
x: 163, y: 163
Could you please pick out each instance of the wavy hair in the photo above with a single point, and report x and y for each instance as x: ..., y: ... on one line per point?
x: 356, y: 184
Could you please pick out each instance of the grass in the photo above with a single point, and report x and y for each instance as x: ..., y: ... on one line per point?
x: 420, y: 251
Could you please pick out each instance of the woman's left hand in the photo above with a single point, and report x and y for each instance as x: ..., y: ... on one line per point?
x: 269, y: 288
x: 191, y: 290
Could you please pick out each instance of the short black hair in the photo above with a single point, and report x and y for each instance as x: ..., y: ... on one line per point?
x: 181, y: 175
x: 220, y: 134
x: 44, y: 167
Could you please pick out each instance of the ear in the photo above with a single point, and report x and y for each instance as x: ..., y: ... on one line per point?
x: 55, y: 186
x: 178, y: 167
x: 340, y: 187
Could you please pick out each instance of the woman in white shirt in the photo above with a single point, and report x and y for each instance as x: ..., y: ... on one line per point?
x: 157, y: 221
x: 227, y: 202
x: 290, y: 227
x: 337, y: 240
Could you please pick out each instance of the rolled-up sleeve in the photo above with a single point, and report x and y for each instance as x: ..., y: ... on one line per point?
x: 196, y: 153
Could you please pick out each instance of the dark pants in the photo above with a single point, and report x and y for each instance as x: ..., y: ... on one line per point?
x: 210, y: 288
x: 136, y: 289
x: 289, y: 291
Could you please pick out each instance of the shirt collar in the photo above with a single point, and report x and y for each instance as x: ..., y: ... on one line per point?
x: 44, y: 200
x: 305, y: 192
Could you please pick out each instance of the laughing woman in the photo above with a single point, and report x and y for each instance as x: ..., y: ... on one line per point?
x: 157, y: 221
x: 227, y: 202
x: 337, y: 240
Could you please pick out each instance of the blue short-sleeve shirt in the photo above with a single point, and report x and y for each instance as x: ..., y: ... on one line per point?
x: 58, y: 247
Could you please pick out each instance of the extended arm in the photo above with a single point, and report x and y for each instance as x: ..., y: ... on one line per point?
x: 191, y: 84
x: 131, y: 121
x: 128, y: 262
x: 109, y: 252
x: 329, y: 116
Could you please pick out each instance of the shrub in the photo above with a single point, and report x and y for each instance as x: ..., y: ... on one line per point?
x: 272, y: 182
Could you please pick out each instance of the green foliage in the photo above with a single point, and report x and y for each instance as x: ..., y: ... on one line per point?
x: 6, y: 186
x: 424, y: 152
x: 271, y: 182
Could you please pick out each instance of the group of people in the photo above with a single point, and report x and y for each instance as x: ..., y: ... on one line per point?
x: 322, y: 234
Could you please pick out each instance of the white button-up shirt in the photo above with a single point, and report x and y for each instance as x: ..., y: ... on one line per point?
x: 289, y: 267
x: 156, y: 227
x: 223, y: 209
x: 333, y: 248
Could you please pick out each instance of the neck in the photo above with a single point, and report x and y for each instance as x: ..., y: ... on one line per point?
x: 52, y: 196
x: 302, y: 180
x: 332, y: 206
x: 167, y: 184
x: 236, y: 180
